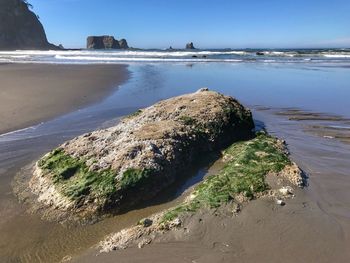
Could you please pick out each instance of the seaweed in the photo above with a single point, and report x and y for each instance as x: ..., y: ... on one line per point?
x: 244, y: 173
x: 133, y: 177
x: 73, y: 178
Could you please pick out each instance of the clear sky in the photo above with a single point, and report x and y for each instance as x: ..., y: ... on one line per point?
x: 209, y: 24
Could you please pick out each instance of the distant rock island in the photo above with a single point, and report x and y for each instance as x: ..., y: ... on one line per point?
x: 106, y: 42
x: 20, y: 28
x: 190, y: 46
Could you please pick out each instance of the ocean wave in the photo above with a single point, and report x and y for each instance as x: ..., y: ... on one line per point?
x: 337, y: 55
x: 15, y: 132
x: 141, y: 59
x: 19, y: 56
x: 119, y: 56
x: 123, y: 53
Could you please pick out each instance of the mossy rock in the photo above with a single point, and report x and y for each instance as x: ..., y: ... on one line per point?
x: 247, y: 164
x: 73, y: 178
x: 116, y: 168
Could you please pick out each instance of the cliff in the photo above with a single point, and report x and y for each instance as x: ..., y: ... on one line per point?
x: 20, y: 28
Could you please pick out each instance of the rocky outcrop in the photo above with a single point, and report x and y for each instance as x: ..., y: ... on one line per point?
x: 256, y: 168
x: 20, y: 28
x: 106, y: 42
x: 190, y: 46
x: 123, y: 44
x: 102, y: 42
x: 131, y: 162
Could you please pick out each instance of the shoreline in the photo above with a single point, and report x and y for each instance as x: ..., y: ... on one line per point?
x: 33, y: 93
x: 285, y: 232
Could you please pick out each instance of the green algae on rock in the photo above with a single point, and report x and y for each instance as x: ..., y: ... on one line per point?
x: 247, y: 165
x: 74, y: 179
x: 113, y: 169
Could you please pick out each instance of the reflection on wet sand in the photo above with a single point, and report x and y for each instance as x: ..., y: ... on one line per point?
x: 328, y: 126
x: 300, y: 115
x: 339, y: 133
x: 323, y: 158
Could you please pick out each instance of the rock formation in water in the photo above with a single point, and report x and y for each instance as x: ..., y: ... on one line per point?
x: 131, y: 162
x: 106, y: 42
x: 190, y: 46
x: 123, y: 44
x: 102, y: 42
x: 20, y: 28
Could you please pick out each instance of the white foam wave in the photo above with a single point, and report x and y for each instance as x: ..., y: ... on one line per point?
x: 336, y: 56
x: 120, y: 53
x: 20, y: 130
x: 280, y: 53
x: 19, y: 56
x: 140, y: 59
x: 119, y: 56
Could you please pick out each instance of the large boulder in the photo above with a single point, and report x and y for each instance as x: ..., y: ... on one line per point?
x: 105, y: 42
x: 118, y: 167
x: 190, y: 46
x: 20, y: 28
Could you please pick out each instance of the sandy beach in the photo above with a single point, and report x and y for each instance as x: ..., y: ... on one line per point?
x: 312, y: 227
x: 32, y: 93
x: 226, y: 141
x: 262, y: 232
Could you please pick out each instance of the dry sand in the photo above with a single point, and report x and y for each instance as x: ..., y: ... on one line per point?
x: 32, y: 93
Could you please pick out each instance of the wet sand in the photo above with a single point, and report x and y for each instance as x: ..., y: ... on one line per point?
x: 32, y: 93
x: 262, y: 232
x: 314, y: 227
x: 325, y: 125
x: 309, y: 228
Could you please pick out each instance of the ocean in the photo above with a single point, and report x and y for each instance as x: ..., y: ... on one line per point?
x: 180, y: 56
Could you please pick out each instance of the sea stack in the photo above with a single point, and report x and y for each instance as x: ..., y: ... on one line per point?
x: 106, y: 42
x: 190, y: 46
x: 123, y: 44
x: 118, y: 167
x: 20, y: 28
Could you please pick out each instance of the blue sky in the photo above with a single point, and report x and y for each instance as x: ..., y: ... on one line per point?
x: 209, y: 24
